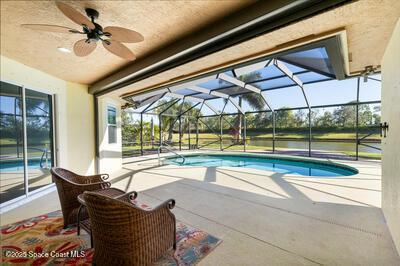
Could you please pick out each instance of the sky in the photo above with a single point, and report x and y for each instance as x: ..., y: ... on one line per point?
x: 321, y: 93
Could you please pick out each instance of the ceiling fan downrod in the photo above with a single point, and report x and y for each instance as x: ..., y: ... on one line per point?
x: 95, y: 34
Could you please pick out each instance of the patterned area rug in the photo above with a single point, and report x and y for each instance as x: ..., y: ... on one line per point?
x: 42, y: 241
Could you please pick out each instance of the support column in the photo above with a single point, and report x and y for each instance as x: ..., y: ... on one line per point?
x: 220, y: 133
x: 160, y: 131
x: 357, y: 121
x: 273, y: 131
x: 188, y: 121
x: 197, y: 133
x: 309, y: 132
x: 244, y: 132
x: 141, y: 133
x: 180, y: 133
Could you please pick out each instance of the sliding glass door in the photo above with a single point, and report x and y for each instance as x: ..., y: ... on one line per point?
x: 39, y: 138
x: 11, y: 143
x: 26, y: 140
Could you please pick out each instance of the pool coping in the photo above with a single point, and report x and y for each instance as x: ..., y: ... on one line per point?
x: 257, y: 155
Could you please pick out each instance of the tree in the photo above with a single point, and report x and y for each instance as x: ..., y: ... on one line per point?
x: 365, y: 115
x: 253, y: 99
x: 326, y: 120
x: 170, y: 119
x: 377, y: 115
x: 251, y: 121
x: 300, y: 118
x: 345, y: 116
x: 131, y: 129
x: 284, y: 118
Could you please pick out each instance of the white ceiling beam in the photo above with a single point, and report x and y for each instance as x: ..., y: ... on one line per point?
x: 252, y: 88
x: 175, y: 95
x: 266, y: 102
x: 239, y: 83
x: 150, y: 100
x: 232, y: 80
x: 285, y: 70
x: 219, y: 94
x: 192, y: 83
x: 199, y: 89
x: 143, y: 96
x: 245, y: 86
x: 180, y: 96
x: 208, y: 91
x: 236, y: 105
x: 250, y: 68
x: 194, y: 99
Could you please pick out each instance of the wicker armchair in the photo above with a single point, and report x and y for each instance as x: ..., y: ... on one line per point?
x: 69, y: 186
x: 124, y: 234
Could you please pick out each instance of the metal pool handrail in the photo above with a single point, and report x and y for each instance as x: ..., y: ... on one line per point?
x: 44, y: 153
x: 166, y: 146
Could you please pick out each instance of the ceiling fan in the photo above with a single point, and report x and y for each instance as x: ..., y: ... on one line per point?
x: 111, y: 37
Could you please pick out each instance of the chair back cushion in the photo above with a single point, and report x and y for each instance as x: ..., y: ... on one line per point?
x: 125, y: 234
x: 68, y: 193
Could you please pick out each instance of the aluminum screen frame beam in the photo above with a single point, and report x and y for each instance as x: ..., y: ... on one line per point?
x: 242, y: 84
x: 236, y: 105
x: 285, y: 70
x: 151, y: 100
x: 146, y: 95
x: 208, y: 91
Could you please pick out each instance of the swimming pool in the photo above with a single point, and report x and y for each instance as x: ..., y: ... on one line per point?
x: 10, y: 166
x: 284, y: 165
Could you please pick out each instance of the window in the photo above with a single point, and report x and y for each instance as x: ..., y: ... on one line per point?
x: 112, y: 124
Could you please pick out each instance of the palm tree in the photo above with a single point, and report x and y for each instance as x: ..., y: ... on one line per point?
x: 253, y: 99
x: 169, y: 122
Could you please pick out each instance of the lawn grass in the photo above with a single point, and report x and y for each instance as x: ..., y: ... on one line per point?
x: 367, y: 155
x: 7, y: 141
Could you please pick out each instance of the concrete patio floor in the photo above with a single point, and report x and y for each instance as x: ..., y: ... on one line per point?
x: 263, y: 218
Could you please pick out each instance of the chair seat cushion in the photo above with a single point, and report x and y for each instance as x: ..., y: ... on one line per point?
x: 141, y: 205
x: 85, y: 224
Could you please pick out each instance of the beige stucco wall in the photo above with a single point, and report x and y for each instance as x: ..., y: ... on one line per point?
x: 110, y: 155
x: 74, y: 113
x: 391, y: 144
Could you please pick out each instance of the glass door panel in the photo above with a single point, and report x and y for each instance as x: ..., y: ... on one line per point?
x: 11, y: 143
x: 39, y: 138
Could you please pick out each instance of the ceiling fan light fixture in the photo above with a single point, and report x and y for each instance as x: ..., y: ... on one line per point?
x: 64, y: 50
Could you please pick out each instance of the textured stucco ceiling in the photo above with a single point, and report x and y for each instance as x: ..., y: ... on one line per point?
x: 160, y: 22
x: 368, y: 24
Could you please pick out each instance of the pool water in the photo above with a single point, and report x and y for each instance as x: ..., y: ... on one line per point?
x: 18, y: 165
x: 278, y: 165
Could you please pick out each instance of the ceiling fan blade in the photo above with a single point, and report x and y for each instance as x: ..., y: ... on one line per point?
x: 74, y: 15
x: 123, y: 34
x: 119, y: 49
x: 84, y: 47
x: 50, y: 28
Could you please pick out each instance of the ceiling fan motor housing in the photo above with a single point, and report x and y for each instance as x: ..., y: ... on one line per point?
x: 93, y: 35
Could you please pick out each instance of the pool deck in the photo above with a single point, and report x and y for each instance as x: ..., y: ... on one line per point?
x: 263, y: 218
